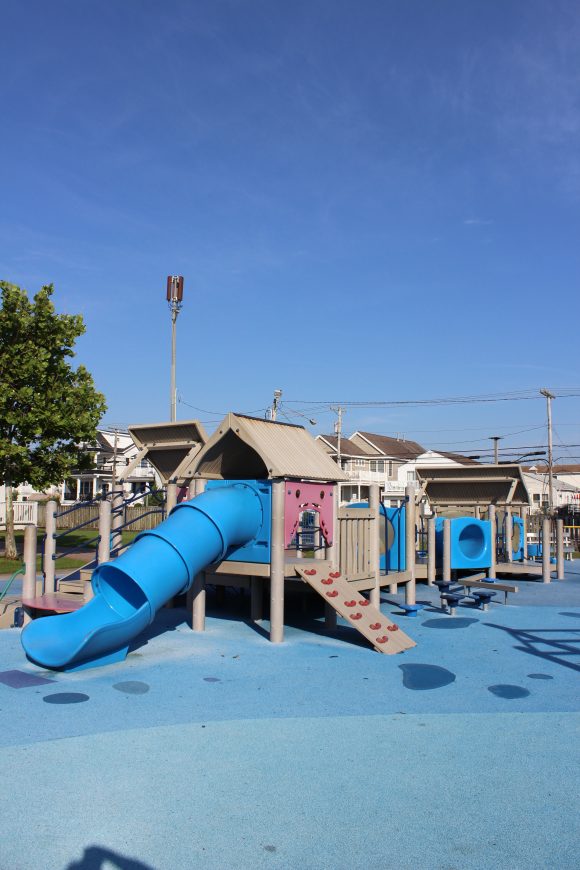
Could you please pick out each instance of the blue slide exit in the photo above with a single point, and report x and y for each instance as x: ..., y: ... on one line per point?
x: 159, y: 564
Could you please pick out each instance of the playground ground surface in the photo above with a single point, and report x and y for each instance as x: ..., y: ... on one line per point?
x: 220, y: 750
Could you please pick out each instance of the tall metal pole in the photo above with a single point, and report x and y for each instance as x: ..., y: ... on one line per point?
x: 275, y: 403
x: 338, y: 431
x: 549, y: 396
x: 496, y: 439
x: 175, y: 301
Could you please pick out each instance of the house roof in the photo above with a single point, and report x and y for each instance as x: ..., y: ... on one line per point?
x: 248, y: 447
x: 458, y: 457
x: 559, y: 485
x: 347, y: 447
x: 394, y: 448
x: 557, y: 469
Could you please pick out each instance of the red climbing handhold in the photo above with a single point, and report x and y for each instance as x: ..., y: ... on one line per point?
x: 392, y: 627
x: 335, y: 574
x: 332, y: 594
x: 350, y: 603
x: 364, y: 602
x: 383, y: 639
x: 311, y: 573
x: 356, y: 615
x: 328, y: 582
x: 375, y: 626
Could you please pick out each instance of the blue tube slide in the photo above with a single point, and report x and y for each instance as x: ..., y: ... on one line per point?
x: 129, y: 591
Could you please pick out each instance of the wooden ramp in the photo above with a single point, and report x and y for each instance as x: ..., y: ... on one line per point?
x: 384, y: 635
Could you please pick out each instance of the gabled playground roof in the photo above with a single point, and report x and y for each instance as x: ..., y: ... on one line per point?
x: 248, y: 447
x: 169, y: 447
x: 468, y: 485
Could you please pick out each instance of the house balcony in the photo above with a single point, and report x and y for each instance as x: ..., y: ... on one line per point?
x: 366, y: 478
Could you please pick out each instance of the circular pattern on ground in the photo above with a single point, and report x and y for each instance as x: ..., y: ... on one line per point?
x: 132, y: 687
x: 66, y: 698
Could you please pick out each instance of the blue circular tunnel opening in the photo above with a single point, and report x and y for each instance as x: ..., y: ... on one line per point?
x: 472, y: 541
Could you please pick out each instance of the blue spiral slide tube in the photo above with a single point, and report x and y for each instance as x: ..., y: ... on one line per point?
x: 129, y: 591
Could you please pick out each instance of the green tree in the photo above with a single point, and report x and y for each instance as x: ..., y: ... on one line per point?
x: 47, y: 408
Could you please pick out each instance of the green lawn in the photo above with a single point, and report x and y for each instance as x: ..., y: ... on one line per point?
x: 73, y: 539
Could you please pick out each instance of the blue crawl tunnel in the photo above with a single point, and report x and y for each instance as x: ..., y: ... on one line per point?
x: 470, y: 543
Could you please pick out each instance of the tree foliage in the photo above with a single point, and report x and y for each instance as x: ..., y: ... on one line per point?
x: 47, y: 407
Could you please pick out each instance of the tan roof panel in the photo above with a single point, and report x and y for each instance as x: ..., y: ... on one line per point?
x: 169, y: 447
x: 468, y: 485
x: 248, y: 447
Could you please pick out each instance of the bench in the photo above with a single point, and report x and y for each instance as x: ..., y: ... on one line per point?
x: 479, y: 584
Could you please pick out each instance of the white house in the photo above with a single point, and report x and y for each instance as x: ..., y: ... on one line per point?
x: 369, y: 458
x: 112, y: 452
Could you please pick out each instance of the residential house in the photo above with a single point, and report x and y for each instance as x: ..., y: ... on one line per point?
x: 369, y: 458
x: 112, y: 451
x: 566, y: 480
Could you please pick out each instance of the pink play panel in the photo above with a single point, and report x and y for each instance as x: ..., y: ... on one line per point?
x: 308, y: 497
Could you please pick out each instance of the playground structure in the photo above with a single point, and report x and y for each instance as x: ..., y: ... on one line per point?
x: 262, y: 513
x: 252, y: 483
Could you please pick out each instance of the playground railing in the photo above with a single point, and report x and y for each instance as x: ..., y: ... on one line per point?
x: 121, y: 523
x: 92, y: 508
x: 354, y: 537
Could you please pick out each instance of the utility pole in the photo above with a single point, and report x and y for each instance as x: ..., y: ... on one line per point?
x: 175, y: 301
x: 496, y: 439
x: 275, y: 404
x: 338, y: 433
x: 549, y: 396
x: 115, y: 451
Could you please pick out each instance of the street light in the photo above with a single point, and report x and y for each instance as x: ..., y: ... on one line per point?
x: 175, y: 302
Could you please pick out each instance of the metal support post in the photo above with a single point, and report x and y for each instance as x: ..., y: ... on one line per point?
x: 333, y: 555
x: 116, y: 519
x: 447, y: 551
x: 277, y: 564
x: 477, y: 512
x: 524, y: 517
x: 431, y: 552
x: 493, y: 534
x: 104, y: 551
x: 410, y: 544
x: 29, y: 583
x: 170, y: 497
x: 560, y: 550
x: 50, y: 549
x: 196, y: 602
x: 375, y: 544
x: 508, y: 532
x: 546, y: 550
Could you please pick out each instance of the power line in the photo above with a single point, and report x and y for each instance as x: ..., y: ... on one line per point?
x: 517, y: 396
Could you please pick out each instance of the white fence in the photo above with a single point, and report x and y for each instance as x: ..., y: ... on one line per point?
x: 24, y: 512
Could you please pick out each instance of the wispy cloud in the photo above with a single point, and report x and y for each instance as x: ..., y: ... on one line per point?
x: 477, y: 222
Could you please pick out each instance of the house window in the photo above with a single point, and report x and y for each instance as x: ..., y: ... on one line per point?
x: 86, y: 490
x: 536, y: 496
x: 410, y: 476
x: 377, y: 465
x: 360, y: 463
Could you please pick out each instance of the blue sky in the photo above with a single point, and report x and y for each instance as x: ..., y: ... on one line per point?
x: 373, y: 200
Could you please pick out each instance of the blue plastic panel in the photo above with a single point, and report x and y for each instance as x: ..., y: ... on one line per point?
x: 470, y: 543
x: 518, y: 539
x: 258, y: 549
